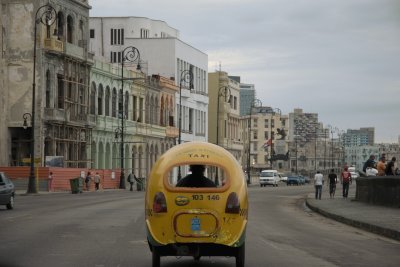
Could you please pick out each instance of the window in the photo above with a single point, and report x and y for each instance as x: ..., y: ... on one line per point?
x: 92, y: 33
x: 60, y: 87
x: 115, y: 57
x: 107, y: 101
x: 266, y: 123
x: 47, y: 89
x: 117, y: 36
x: 70, y: 29
x: 144, y: 33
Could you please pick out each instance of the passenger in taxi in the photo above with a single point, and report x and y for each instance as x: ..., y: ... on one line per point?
x: 196, y: 178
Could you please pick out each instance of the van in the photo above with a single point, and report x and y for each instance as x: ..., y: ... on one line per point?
x: 269, y: 177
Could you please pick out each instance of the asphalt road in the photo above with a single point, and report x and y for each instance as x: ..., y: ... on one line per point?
x: 107, y: 229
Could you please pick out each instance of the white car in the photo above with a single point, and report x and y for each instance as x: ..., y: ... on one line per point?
x: 283, y: 177
x: 269, y: 177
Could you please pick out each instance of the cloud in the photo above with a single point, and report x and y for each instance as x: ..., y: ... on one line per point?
x: 340, y: 59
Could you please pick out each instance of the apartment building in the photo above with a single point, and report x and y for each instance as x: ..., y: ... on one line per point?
x: 62, y: 123
x: 161, y: 53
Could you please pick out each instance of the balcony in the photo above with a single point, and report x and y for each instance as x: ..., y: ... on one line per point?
x: 53, y: 45
x: 171, y: 131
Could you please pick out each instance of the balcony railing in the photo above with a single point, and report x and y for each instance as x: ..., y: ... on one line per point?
x: 53, y: 45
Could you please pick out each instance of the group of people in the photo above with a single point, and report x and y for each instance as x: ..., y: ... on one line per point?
x: 382, y: 168
x: 345, y: 180
x: 89, y: 179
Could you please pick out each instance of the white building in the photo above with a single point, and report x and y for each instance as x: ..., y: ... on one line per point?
x: 161, y: 53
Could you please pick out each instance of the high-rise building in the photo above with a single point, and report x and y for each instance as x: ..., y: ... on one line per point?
x: 360, y: 137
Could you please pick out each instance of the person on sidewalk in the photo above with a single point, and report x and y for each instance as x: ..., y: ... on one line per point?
x: 345, y: 181
x: 318, y: 182
x: 332, y: 177
x: 131, y: 181
x: 97, y: 181
x: 87, y: 181
x: 51, y: 185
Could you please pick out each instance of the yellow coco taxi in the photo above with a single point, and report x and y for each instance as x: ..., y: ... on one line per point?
x: 196, y: 204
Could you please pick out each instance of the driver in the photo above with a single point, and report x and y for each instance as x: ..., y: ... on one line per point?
x: 196, y: 178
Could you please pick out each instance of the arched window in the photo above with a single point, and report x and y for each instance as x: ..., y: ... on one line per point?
x: 162, y: 122
x: 82, y: 97
x: 114, y: 103
x: 120, y: 107
x: 93, y: 99
x: 100, y: 100
x: 70, y: 29
x: 48, y: 95
x: 60, y: 25
x: 126, y: 100
x: 107, y: 102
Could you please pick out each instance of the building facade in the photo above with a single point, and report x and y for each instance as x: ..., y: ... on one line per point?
x: 63, y: 125
x: 225, y: 124
x: 360, y: 137
x: 161, y: 53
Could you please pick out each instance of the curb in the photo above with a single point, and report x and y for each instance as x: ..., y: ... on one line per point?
x: 376, y: 229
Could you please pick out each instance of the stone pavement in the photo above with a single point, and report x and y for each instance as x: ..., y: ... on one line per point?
x: 377, y: 219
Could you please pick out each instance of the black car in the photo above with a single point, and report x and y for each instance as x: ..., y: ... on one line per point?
x: 7, y: 191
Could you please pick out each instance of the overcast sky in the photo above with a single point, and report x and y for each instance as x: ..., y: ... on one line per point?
x: 337, y: 58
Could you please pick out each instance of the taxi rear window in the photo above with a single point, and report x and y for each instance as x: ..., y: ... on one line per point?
x: 197, y: 176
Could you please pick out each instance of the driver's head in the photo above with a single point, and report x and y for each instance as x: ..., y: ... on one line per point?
x: 197, y: 168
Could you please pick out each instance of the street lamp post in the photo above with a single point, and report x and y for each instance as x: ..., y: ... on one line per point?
x: 332, y: 130
x: 187, y: 78
x: 256, y: 102
x: 225, y: 92
x: 46, y: 15
x: 129, y: 54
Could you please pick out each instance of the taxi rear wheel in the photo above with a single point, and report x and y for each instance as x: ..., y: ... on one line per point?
x: 240, y: 256
x: 155, y: 258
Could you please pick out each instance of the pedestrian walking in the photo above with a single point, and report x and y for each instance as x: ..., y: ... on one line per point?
x: 87, y: 181
x: 97, y: 181
x: 130, y: 181
x: 381, y: 166
x: 345, y: 181
x: 318, y: 182
x: 332, y: 177
x: 51, y: 186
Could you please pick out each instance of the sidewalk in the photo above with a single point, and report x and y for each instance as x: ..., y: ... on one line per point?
x: 376, y: 219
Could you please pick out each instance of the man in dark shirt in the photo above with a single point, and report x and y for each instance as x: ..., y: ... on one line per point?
x: 369, y: 163
x: 332, y: 177
x: 196, y: 178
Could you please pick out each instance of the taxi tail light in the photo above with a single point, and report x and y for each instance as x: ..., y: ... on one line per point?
x: 232, y: 204
x: 159, y: 203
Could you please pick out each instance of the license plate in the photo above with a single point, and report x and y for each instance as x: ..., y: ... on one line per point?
x: 196, y: 224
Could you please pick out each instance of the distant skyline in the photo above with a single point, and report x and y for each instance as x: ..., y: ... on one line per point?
x: 337, y: 58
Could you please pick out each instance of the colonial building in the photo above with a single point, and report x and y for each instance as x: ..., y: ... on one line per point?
x: 146, y: 129
x: 161, y: 53
x: 225, y: 124
x: 62, y: 123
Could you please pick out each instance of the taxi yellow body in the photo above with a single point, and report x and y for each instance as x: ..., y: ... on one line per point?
x: 187, y: 221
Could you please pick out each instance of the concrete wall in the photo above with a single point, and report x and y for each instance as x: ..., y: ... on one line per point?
x: 379, y: 190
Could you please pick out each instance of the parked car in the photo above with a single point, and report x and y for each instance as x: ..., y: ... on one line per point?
x: 307, y: 179
x: 269, y: 177
x: 7, y: 191
x: 283, y: 177
x: 293, y: 180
